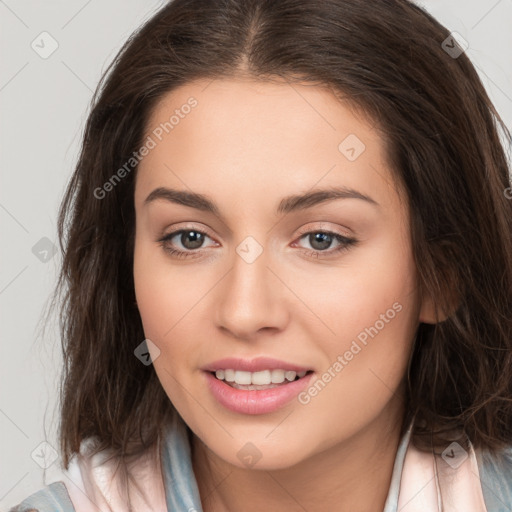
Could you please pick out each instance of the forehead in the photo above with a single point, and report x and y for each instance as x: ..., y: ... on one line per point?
x: 249, y: 138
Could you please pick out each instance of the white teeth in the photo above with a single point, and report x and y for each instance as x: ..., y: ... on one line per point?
x: 277, y: 376
x: 242, y: 377
x: 261, y: 378
x: 229, y: 375
x: 290, y: 376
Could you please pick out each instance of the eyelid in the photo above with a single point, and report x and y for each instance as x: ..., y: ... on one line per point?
x: 184, y: 226
x: 303, y: 230
x: 323, y: 226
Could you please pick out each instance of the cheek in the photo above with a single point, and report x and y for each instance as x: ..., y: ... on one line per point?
x: 381, y: 302
x: 369, y: 352
x: 151, y: 301
x: 161, y: 289
x: 374, y: 316
x: 163, y: 306
x: 169, y: 298
x: 363, y: 371
x: 375, y: 289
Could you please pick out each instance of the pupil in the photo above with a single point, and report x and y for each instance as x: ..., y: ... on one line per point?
x: 196, y: 237
x: 323, y: 238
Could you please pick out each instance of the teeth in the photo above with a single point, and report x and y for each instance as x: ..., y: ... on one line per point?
x: 290, y: 376
x: 242, y: 377
x: 262, y: 378
x: 277, y: 376
x: 259, y: 378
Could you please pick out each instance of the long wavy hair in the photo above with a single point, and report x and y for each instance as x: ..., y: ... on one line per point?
x: 391, y: 61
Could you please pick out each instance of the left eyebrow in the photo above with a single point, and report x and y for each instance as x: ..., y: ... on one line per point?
x: 314, y: 197
x: 286, y: 205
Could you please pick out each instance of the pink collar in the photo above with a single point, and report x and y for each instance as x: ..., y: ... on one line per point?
x: 446, y: 482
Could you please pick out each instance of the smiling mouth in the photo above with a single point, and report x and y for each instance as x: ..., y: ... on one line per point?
x: 251, y: 381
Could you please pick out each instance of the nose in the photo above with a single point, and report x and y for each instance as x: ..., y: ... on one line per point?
x: 251, y: 299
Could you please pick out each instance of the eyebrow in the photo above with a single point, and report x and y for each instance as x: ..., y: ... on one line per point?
x: 286, y: 205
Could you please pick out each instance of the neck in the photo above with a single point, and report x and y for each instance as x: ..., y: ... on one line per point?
x: 355, y: 474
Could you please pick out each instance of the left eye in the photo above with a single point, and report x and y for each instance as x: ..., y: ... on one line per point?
x: 190, y: 239
x: 321, y: 241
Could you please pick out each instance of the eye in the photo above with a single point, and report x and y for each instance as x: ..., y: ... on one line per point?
x: 320, y: 242
x: 190, y: 239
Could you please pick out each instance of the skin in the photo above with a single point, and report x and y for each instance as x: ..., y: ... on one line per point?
x: 246, y: 145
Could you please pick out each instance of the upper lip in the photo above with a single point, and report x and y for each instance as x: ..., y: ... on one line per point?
x: 253, y: 365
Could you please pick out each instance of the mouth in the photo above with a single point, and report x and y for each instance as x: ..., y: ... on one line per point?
x: 260, y: 392
x: 261, y: 380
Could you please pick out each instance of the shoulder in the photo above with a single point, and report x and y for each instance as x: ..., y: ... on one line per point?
x: 100, y: 480
x: 57, y: 497
x: 496, y: 478
x: 51, y: 498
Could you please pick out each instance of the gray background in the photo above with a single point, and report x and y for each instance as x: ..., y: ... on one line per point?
x: 44, y: 103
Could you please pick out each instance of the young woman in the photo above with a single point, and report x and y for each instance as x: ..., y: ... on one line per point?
x: 299, y: 212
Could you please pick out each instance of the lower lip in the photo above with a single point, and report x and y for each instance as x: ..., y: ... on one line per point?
x: 255, y: 401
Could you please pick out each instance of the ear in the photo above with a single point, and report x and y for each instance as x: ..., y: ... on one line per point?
x: 428, y: 312
x: 431, y: 311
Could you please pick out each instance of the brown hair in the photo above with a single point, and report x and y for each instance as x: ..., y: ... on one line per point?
x: 442, y: 133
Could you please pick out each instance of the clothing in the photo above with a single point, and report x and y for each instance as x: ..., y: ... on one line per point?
x: 420, y: 482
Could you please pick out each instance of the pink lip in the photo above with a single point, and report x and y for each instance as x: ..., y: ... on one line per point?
x: 253, y: 365
x: 255, y: 401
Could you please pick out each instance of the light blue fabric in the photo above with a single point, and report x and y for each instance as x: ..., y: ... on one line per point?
x: 496, y: 479
x: 182, y: 493
x: 391, y: 504
x: 52, y: 498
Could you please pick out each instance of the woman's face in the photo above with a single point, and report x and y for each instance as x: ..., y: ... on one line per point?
x: 270, y: 267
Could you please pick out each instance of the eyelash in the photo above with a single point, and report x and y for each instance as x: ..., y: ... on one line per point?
x: 344, y: 243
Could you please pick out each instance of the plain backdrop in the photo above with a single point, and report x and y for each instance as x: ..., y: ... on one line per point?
x: 53, y: 54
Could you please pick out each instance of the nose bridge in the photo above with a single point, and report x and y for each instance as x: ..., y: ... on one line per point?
x: 251, y: 296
